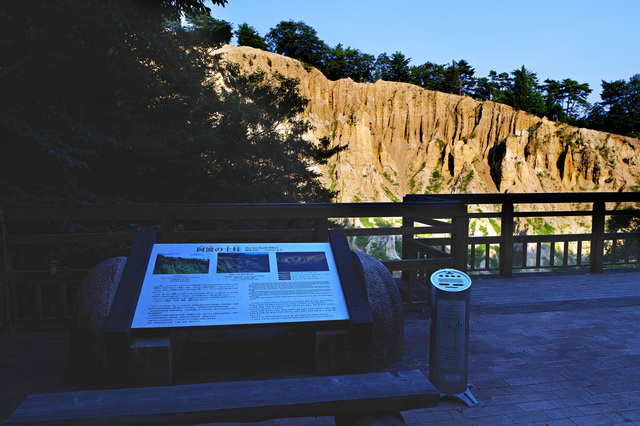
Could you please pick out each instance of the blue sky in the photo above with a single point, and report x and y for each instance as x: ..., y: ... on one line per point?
x: 586, y: 40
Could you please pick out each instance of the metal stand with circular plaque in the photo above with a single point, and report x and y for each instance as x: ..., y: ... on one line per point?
x: 449, y: 337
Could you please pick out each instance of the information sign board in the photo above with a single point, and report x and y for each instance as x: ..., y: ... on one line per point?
x: 188, y: 285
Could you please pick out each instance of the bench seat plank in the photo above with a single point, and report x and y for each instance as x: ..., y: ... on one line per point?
x: 245, y: 401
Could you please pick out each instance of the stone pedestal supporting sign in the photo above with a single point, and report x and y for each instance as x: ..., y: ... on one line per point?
x: 345, y: 351
x: 149, y: 361
x: 132, y: 315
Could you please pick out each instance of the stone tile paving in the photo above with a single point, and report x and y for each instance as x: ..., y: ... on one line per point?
x: 563, y: 367
x: 536, y: 357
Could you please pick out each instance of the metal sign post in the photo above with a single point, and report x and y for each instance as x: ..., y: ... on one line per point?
x: 449, y: 336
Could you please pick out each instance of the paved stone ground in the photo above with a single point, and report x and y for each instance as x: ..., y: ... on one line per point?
x: 544, y: 350
x: 562, y: 367
x: 551, y: 349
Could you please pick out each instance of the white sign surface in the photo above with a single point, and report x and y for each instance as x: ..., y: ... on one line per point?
x: 190, y: 285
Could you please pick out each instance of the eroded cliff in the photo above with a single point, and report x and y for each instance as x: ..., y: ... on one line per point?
x: 404, y: 139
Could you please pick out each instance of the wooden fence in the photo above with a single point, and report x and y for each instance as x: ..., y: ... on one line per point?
x: 510, y: 251
x: 47, y: 250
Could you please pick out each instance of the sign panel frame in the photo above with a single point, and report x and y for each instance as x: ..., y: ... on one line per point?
x: 202, y: 285
x: 350, y: 280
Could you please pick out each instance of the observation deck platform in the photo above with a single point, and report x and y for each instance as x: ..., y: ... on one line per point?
x: 545, y: 348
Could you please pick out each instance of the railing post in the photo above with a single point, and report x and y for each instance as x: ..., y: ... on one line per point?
x: 506, y: 245
x: 460, y: 240
x: 597, y: 237
x: 322, y: 229
x: 5, y: 290
x: 406, y: 252
x: 167, y: 234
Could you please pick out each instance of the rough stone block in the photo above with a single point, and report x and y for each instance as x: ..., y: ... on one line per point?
x: 149, y: 361
x: 346, y: 352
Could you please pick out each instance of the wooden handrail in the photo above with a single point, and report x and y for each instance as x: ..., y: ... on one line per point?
x: 421, y: 214
x: 506, y: 213
x: 537, y: 198
x: 227, y: 211
x: 315, y: 218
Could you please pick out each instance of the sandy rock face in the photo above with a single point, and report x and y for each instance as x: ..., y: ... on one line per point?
x: 403, y: 139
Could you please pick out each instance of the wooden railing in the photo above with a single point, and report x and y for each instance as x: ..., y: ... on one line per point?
x: 47, y: 250
x: 508, y: 251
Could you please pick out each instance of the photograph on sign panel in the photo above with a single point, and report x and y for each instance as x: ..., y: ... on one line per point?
x: 302, y: 261
x: 168, y: 264
x: 230, y: 263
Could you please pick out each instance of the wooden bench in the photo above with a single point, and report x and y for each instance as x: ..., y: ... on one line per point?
x: 345, y: 397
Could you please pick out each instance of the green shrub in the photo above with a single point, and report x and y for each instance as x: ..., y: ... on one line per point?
x: 366, y: 222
